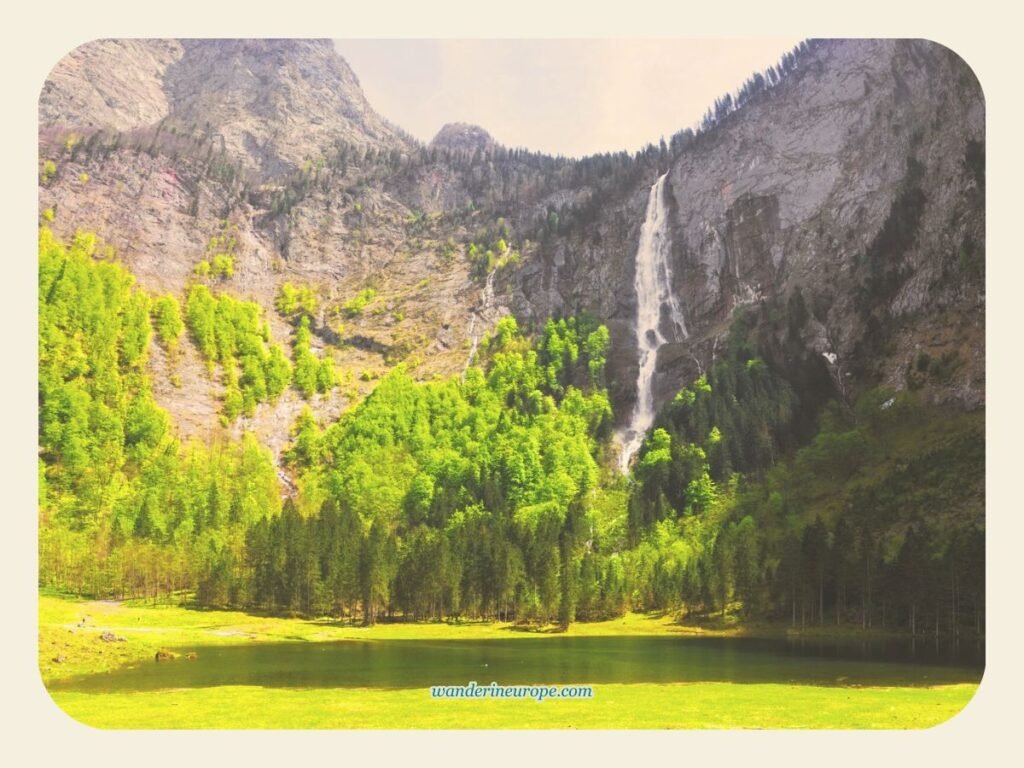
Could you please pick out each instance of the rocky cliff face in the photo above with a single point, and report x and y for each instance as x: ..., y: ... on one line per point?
x: 109, y: 84
x: 857, y: 179
x: 871, y: 137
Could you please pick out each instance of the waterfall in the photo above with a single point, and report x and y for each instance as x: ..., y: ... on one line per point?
x: 658, y: 317
x: 486, y: 300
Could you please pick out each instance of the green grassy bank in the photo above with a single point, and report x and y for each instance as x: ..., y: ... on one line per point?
x: 78, y: 646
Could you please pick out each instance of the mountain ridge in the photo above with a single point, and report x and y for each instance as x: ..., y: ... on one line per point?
x: 817, y: 161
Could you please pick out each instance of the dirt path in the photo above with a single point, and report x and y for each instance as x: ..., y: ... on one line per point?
x: 96, y: 628
x: 217, y: 632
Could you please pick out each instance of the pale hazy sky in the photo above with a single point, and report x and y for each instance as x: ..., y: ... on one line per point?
x: 570, y: 97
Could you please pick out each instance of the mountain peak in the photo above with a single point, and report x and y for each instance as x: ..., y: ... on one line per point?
x: 274, y: 103
x: 463, y: 137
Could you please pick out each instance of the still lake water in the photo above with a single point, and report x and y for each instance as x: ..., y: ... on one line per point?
x: 557, y: 660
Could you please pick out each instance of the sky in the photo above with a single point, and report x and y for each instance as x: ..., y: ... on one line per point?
x: 568, y: 97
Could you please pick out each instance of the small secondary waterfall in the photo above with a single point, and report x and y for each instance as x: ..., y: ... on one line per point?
x: 486, y: 300
x: 658, y: 316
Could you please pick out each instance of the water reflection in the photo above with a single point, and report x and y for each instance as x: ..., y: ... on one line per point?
x: 593, y: 660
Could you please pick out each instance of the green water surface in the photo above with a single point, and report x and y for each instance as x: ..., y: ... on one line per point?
x: 397, y: 664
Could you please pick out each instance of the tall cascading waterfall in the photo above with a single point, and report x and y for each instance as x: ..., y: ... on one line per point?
x: 658, y: 316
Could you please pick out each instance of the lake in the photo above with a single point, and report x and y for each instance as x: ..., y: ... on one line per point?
x: 397, y: 664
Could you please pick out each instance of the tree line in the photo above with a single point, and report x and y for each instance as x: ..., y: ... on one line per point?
x: 496, y: 496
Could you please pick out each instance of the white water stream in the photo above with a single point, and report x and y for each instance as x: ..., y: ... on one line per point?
x: 486, y: 300
x: 658, y: 317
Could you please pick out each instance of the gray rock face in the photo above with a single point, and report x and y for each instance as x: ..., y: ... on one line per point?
x: 109, y: 84
x: 855, y: 178
x: 281, y: 102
